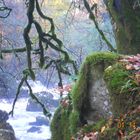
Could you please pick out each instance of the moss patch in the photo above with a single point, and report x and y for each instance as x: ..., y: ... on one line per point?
x: 110, y: 134
x: 60, y: 125
x: 94, y: 127
x: 120, y: 87
x: 116, y: 76
x: 74, y: 122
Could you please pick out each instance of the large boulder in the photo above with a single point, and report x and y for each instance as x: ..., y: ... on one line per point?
x: 99, y: 105
x: 6, y: 130
x: 46, y: 98
x: 90, y: 98
x: 90, y: 94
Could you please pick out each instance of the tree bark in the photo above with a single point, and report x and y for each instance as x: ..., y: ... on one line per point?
x: 125, y: 16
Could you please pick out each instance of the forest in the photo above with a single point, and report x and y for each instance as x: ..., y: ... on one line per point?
x: 72, y: 67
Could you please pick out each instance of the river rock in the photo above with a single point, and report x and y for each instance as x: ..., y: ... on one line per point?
x: 34, y: 129
x: 46, y: 98
x: 40, y: 120
x: 6, y: 130
x: 91, y: 94
x: 3, y: 116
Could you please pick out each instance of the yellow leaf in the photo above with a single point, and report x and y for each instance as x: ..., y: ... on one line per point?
x: 103, y: 129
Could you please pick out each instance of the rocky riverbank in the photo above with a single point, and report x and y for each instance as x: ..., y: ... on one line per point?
x: 6, y: 130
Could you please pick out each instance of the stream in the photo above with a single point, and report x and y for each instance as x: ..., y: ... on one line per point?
x: 24, y: 122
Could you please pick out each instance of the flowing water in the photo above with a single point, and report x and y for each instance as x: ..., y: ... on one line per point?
x: 22, y: 121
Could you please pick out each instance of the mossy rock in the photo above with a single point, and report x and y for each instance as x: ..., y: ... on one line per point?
x: 60, y: 125
x: 66, y: 124
x: 80, y: 90
x: 92, y: 70
x: 120, y: 86
x: 70, y: 123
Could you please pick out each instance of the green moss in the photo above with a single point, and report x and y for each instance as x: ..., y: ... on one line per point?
x: 97, y: 57
x: 80, y: 89
x: 120, y: 86
x: 65, y: 126
x: 60, y: 125
x: 116, y: 77
x: 74, y: 122
x: 67, y: 122
x: 109, y: 134
x: 94, y: 127
x: 56, y: 125
x: 99, y: 124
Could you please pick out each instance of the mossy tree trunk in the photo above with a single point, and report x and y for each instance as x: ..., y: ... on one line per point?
x: 125, y: 16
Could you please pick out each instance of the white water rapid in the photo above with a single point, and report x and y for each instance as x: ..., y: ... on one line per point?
x: 22, y: 121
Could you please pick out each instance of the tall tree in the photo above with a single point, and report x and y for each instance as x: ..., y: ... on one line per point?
x: 125, y: 16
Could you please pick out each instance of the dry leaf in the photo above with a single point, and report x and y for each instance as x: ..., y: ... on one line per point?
x: 103, y: 129
x: 91, y: 136
x: 129, y: 67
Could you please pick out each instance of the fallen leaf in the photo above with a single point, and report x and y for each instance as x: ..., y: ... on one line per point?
x: 129, y: 67
x: 103, y: 129
x: 91, y: 136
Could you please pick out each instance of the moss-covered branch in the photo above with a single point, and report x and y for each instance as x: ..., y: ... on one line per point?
x: 45, y: 111
x: 50, y: 40
x: 16, y: 50
x: 52, y: 30
x: 27, y: 31
x: 4, y: 8
x: 93, y: 18
x: 17, y: 94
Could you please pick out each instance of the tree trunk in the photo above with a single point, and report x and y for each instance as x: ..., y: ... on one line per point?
x: 125, y: 16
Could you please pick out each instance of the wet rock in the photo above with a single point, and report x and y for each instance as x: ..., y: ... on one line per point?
x: 40, y: 120
x: 7, y: 135
x: 34, y: 129
x: 6, y: 130
x: 3, y: 116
